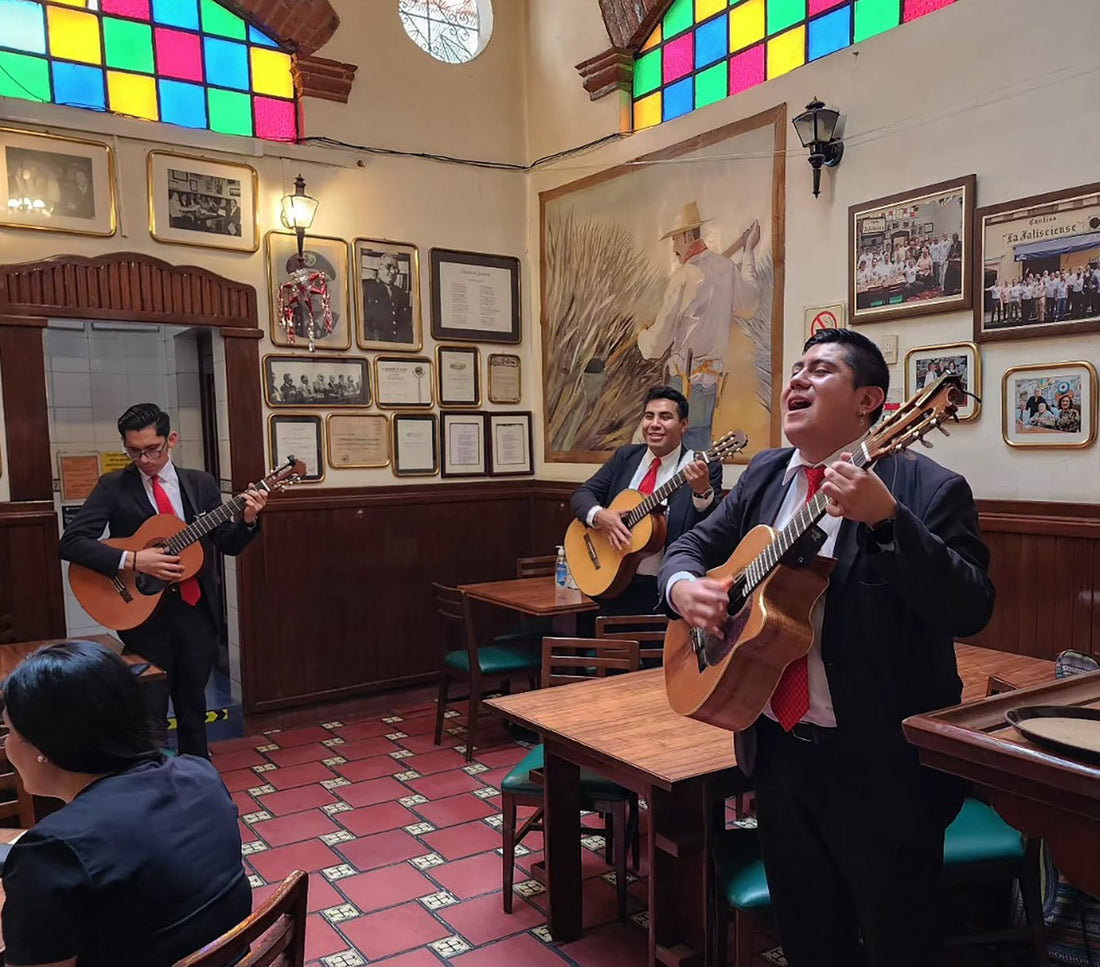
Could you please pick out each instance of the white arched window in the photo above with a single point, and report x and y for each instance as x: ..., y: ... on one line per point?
x: 453, y: 31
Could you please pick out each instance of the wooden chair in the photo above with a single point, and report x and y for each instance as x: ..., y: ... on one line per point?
x: 646, y: 629
x: 530, y: 631
x: 566, y: 660
x: 464, y: 661
x: 273, y: 936
x: 536, y: 567
x: 15, y: 802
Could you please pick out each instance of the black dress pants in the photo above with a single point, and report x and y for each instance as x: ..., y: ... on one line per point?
x: 639, y: 597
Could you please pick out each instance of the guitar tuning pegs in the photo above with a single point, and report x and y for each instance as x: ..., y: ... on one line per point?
x: 923, y: 442
x: 943, y: 429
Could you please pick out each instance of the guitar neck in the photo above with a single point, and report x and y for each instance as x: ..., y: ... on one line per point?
x: 204, y: 524
x: 662, y: 493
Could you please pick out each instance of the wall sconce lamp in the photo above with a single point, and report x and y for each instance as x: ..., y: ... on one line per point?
x: 816, y: 127
x: 298, y: 212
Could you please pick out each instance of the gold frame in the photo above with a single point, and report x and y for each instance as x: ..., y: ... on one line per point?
x: 110, y: 182
x: 272, y: 418
x: 385, y: 417
x: 1090, y: 371
x: 340, y: 360
x: 377, y: 396
x: 416, y: 415
x: 414, y: 296
x: 439, y: 350
x: 195, y: 157
x: 975, y: 372
x: 273, y: 303
x: 489, y: 378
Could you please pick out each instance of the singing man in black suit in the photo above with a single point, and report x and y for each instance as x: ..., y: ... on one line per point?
x: 851, y: 825
x: 181, y: 635
x: 645, y: 467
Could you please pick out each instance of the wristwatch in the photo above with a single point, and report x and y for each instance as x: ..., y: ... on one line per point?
x: 882, y: 533
x: 704, y: 496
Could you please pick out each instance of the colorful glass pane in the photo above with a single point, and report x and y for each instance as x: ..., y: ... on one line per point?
x: 647, y: 111
x: 814, y: 7
x: 679, y: 99
x: 216, y: 19
x: 875, y: 16
x: 259, y: 37
x: 24, y: 76
x: 708, y: 8
x: 226, y: 63
x: 680, y: 17
x: 711, y: 85
x: 746, y: 24
x: 24, y: 26
x: 137, y: 9
x: 711, y: 42
x: 78, y: 85
x: 918, y: 8
x: 276, y: 120
x: 647, y: 73
x: 830, y: 33
x: 128, y: 45
x: 229, y: 111
x: 177, y: 13
x: 747, y: 69
x: 74, y: 34
x: 271, y: 72
x: 182, y: 104
x: 179, y: 54
x: 132, y: 94
x: 784, y: 13
x: 677, y: 60
x: 787, y: 51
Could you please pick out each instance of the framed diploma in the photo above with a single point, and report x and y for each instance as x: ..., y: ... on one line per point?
x: 462, y: 438
x: 359, y: 440
x: 458, y: 379
x: 475, y: 297
x: 401, y: 381
x: 510, y: 444
x: 297, y: 434
x: 415, y: 447
x: 504, y: 378
x: 79, y: 474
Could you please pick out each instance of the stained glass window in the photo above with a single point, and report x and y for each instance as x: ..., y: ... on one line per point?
x: 453, y: 31
x: 194, y: 63
x: 705, y: 50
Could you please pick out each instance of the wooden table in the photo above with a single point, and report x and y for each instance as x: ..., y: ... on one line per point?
x: 539, y: 597
x: 987, y: 672
x: 12, y: 654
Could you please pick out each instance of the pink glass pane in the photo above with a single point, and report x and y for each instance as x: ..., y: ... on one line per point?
x: 747, y: 69
x: 678, y: 57
x: 138, y: 9
x: 178, y: 54
x: 918, y: 8
x: 275, y: 120
x: 818, y: 6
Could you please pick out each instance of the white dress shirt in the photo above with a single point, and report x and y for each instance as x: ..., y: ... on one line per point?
x: 170, y: 481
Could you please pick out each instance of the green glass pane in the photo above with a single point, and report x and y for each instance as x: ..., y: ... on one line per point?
x: 217, y: 20
x: 875, y: 16
x: 680, y: 16
x: 711, y: 84
x: 783, y: 13
x: 128, y: 45
x: 24, y: 77
x: 734, y: 3
x: 647, y: 72
x: 230, y: 111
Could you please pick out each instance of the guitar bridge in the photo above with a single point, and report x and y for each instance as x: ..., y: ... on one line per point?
x: 592, y: 555
x: 123, y: 591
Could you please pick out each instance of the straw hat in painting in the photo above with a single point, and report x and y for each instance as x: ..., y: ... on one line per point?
x: 688, y: 219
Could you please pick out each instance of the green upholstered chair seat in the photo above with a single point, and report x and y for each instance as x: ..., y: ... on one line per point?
x: 527, y: 630
x: 593, y: 785
x: 495, y: 660
x: 741, y: 877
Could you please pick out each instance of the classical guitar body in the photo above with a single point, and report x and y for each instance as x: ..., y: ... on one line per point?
x: 600, y: 570
x: 770, y: 631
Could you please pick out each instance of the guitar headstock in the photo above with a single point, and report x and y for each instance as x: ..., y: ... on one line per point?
x: 285, y: 475
x: 732, y: 442
x: 927, y: 410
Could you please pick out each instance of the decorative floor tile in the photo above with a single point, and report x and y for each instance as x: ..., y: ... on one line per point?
x: 261, y: 790
x: 474, y: 768
x: 349, y: 958
x: 418, y: 829
x: 337, y: 807
x: 436, y: 901
x: 461, y: 749
x: 427, y: 861
x: 390, y: 719
x: 335, y: 740
x: 400, y: 754
x: 611, y: 878
x: 332, y: 725
x: 331, y: 839
x: 332, y: 873
x: 394, y: 736
x: 746, y: 822
x: 346, y: 911
x: 594, y: 843
x: 450, y: 946
x: 451, y: 713
x: 336, y: 760
x: 495, y: 821
x: 529, y: 888
x: 256, y: 817
x: 406, y: 776
x: 542, y: 933
x: 412, y: 800
x: 520, y: 850
x: 774, y: 957
x: 487, y: 792
x: 247, y: 849
x: 255, y: 881
x: 266, y: 767
x: 641, y: 919
x: 335, y: 783
x: 272, y: 732
x: 267, y: 748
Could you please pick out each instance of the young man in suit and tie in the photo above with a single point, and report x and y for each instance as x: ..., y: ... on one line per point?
x: 181, y: 635
x: 645, y: 467
x: 851, y: 825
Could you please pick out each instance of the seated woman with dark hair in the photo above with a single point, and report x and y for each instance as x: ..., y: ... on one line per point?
x: 142, y: 865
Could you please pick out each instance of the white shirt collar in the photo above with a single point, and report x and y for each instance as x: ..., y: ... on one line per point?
x: 670, y: 459
x: 797, y: 460
x: 167, y: 474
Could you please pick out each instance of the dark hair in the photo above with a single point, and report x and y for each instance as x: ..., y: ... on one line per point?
x: 863, y: 357
x: 81, y: 706
x: 141, y: 415
x: 668, y: 393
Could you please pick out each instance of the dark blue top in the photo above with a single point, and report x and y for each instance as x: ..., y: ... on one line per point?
x: 142, y: 868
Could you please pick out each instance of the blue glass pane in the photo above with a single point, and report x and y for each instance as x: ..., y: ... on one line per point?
x: 78, y: 85
x: 226, y: 63
x: 183, y: 104
x: 259, y: 37
x: 710, y: 42
x: 23, y: 26
x: 177, y: 13
x: 829, y: 33
x: 679, y: 98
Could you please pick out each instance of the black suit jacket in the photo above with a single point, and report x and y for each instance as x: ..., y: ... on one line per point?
x: 615, y: 476
x: 891, y: 615
x: 387, y: 313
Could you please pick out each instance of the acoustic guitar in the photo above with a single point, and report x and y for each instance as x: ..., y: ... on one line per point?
x: 124, y: 600
x: 600, y: 569
x: 774, y: 580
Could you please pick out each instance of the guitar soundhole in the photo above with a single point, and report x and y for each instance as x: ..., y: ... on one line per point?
x: 711, y: 649
x: 148, y: 585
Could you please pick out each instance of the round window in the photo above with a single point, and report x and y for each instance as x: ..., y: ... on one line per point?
x: 453, y: 31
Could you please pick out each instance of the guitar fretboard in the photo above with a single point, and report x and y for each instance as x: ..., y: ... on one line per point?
x: 662, y: 493
x: 205, y: 523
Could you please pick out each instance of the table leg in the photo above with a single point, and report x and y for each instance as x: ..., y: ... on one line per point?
x: 564, y: 625
x: 561, y: 844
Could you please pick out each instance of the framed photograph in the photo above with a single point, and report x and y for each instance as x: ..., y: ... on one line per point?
x: 56, y: 184
x: 386, y: 276
x: 312, y: 381
x: 415, y: 446
x: 927, y: 363
x: 897, y: 268
x: 298, y: 435
x: 1040, y: 264
x: 505, y: 384
x: 510, y: 444
x: 458, y: 375
x: 1049, y: 405
x: 463, y: 443
x: 321, y: 254
x: 195, y: 201
x: 475, y: 297
x: 402, y: 381
x: 358, y: 440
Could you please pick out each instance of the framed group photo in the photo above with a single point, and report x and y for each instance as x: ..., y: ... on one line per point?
x: 56, y: 184
x: 925, y: 364
x: 357, y: 440
x: 386, y: 279
x: 510, y: 444
x: 463, y: 443
x: 475, y: 297
x: 328, y: 256
x: 415, y: 445
x: 311, y: 381
x: 195, y: 201
x: 298, y: 435
x: 458, y: 375
x: 898, y: 267
x: 1049, y: 405
x: 403, y: 381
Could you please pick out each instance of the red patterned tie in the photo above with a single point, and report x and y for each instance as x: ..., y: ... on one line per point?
x: 791, y: 698
x: 649, y: 481
x: 189, y: 587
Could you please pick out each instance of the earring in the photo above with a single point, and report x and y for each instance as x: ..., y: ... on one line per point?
x: 41, y: 758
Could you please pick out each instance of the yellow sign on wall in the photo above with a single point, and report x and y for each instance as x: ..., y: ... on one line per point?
x: 110, y: 460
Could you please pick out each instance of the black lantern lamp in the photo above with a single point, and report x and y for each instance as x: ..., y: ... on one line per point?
x: 816, y: 128
x: 298, y: 211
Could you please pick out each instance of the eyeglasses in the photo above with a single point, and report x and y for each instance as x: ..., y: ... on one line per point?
x: 151, y: 452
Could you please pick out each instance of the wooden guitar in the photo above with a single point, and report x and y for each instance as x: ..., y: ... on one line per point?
x: 124, y: 600
x: 774, y: 580
x: 600, y: 569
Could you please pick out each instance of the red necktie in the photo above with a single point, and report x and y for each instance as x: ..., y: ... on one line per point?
x: 189, y: 587
x: 791, y: 698
x: 649, y: 481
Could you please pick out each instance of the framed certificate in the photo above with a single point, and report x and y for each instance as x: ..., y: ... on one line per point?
x: 463, y: 443
x: 505, y: 385
x: 297, y: 435
x: 358, y: 440
x: 401, y: 381
x: 458, y: 379
x: 475, y: 297
x: 415, y: 447
x: 510, y: 444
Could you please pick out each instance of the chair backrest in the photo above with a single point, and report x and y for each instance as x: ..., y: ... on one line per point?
x: 646, y: 629
x: 453, y: 608
x: 273, y: 936
x: 566, y: 660
x: 536, y: 567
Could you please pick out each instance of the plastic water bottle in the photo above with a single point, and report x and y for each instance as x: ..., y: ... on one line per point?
x: 561, y: 571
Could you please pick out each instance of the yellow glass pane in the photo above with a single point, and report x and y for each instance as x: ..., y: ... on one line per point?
x: 708, y: 8
x: 647, y: 111
x: 132, y: 94
x: 746, y: 24
x: 74, y: 35
x: 271, y: 72
x: 83, y: 4
x: 654, y: 39
x: 786, y: 52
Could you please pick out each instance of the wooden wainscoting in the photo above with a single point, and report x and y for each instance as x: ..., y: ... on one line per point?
x: 32, y: 605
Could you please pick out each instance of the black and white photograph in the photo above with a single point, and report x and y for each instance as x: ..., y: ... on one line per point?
x: 387, y: 294
x: 202, y: 203
x: 925, y: 364
x: 309, y: 381
x: 321, y: 255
